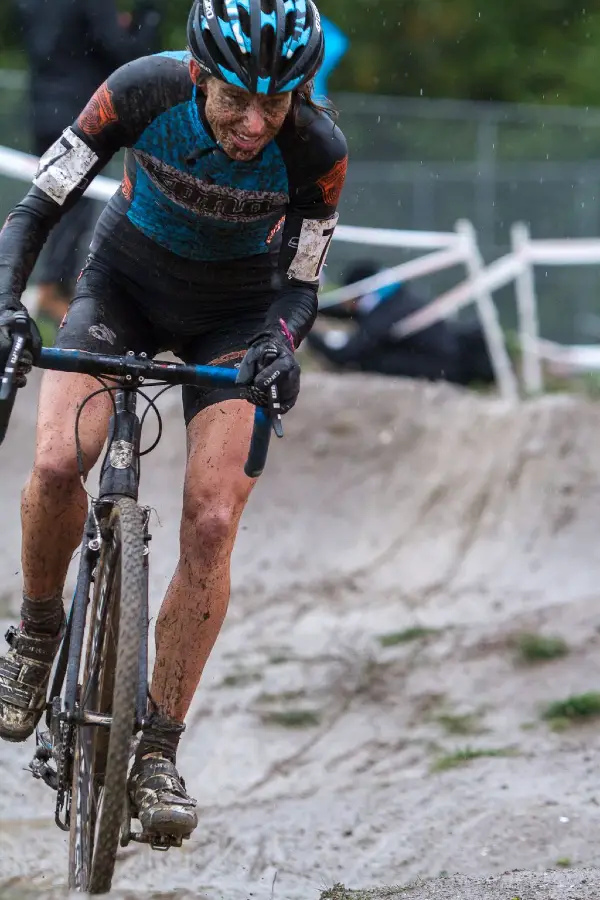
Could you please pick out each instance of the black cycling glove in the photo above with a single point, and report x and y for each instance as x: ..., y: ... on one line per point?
x: 33, y: 346
x: 270, y: 360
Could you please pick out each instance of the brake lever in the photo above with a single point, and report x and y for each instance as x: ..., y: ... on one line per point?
x: 273, y: 400
x: 20, y: 331
x: 8, y: 387
x: 275, y: 411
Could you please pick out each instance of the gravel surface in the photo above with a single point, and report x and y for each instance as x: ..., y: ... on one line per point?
x: 366, y: 719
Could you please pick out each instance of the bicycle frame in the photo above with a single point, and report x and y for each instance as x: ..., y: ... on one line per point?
x: 119, y: 477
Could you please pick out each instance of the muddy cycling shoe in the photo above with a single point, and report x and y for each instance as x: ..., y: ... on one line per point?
x: 24, y: 675
x: 159, y: 799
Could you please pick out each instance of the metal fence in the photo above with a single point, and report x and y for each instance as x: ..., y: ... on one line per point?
x: 424, y: 164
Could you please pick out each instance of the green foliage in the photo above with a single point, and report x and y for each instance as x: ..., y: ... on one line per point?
x: 578, y: 708
x: 467, y: 723
x: 545, y: 51
x: 292, y: 718
x: 404, y: 637
x: 533, y: 648
x: 468, y: 754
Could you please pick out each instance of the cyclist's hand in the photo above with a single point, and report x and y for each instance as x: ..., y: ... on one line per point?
x: 33, y: 346
x: 269, y: 360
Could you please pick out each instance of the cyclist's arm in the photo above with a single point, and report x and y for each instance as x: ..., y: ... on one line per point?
x: 316, y: 178
x: 115, y: 116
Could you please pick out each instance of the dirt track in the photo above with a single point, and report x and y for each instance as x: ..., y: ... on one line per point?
x: 414, y: 506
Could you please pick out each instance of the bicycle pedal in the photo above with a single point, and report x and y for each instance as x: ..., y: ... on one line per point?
x: 163, y: 843
x: 160, y: 842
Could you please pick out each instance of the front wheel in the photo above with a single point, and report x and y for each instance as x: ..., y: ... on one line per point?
x: 109, y: 687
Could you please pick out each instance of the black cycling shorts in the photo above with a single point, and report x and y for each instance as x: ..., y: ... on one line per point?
x: 110, y: 315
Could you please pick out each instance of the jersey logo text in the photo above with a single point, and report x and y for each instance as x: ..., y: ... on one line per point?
x: 218, y: 202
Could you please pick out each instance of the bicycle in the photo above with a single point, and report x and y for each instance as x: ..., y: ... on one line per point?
x: 98, y: 698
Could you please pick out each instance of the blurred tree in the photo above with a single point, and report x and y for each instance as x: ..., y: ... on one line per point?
x: 544, y: 51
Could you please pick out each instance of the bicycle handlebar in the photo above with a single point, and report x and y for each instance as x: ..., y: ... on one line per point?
x: 131, y: 367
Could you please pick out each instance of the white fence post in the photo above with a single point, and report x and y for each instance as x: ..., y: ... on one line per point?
x: 490, y: 322
x: 529, y: 326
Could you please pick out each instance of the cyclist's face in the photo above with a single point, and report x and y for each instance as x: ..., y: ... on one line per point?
x: 243, y: 123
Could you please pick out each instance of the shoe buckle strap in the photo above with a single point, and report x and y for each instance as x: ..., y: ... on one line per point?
x: 175, y: 799
x: 11, y: 636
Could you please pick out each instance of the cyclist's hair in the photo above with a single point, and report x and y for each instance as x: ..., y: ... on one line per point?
x: 306, y: 93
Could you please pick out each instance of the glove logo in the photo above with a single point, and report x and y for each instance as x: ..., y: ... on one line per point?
x: 269, y: 381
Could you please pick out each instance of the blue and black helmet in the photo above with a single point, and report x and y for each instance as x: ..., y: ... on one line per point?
x: 264, y: 46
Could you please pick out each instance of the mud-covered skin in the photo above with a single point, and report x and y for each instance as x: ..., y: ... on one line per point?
x: 230, y: 111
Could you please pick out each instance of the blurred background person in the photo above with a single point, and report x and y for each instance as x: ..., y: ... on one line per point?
x: 449, y: 350
x: 72, y: 46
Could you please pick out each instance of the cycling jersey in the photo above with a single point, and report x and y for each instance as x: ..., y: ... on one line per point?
x: 180, y: 191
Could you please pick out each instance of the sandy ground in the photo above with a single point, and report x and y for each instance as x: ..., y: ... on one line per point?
x: 314, y: 744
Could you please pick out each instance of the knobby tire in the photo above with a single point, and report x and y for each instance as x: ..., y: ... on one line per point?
x: 109, y: 686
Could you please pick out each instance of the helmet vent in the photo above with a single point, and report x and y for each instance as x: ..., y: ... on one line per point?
x: 244, y: 20
x: 267, y: 51
x: 290, y: 25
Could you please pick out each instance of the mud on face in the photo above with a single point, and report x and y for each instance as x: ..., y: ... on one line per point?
x: 243, y: 123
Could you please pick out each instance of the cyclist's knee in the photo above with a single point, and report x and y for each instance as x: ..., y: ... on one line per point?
x: 209, y: 523
x: 55, y: 465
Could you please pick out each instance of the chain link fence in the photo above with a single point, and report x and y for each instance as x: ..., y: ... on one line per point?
x: 424, y: 164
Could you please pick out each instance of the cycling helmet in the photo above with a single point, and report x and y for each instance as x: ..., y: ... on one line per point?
x: 264, y: 46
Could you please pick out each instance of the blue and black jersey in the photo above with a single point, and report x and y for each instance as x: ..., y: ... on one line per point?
x: 182, y: 200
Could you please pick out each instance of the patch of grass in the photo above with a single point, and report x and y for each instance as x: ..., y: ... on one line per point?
x: 339, y: 892
x: 293, y: 718
x: 286, y: 696
x: 241, y: 679
x: 457, y: 724
x: 535, y: 648
x: 528, y: 726
x: 560, y: 723
x: 578, y: 708
x: 278, y: 659
x: 416, y: 633
x: 564, y: 862
x: 467, y: 755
